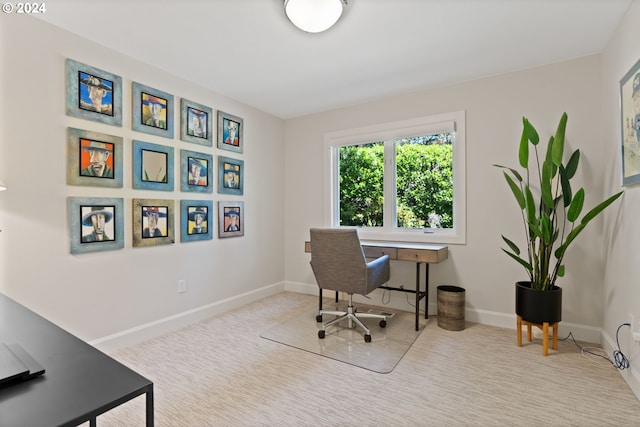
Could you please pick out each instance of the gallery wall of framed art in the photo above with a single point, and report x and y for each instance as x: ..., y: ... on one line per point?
x: 98, y: 159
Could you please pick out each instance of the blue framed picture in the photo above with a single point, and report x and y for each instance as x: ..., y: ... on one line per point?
x: 95, y: 224
x: 195, y: 123
x: 230, y: 176
x: 196, y: 172
x: 93, y: 94
x: 152, y: 111
x: 152, y: 166
x: 196, y: 220
x: 230, y: 132
x: 630, y: 125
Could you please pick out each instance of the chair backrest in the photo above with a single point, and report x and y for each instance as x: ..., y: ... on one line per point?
x: 338, y: 261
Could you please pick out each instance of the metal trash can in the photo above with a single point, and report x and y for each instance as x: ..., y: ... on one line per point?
x: 451, y: 307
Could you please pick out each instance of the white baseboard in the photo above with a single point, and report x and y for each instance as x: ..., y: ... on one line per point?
x: 406, y: 302
x: 158, y: 327
x: 301, y: 288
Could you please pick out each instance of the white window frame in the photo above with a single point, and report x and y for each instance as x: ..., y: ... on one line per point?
x: 440, y: 123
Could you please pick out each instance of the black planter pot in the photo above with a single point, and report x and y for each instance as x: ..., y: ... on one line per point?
x: 538, y: 306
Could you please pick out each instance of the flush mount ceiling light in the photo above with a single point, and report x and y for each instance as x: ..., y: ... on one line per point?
x: 314, y: 16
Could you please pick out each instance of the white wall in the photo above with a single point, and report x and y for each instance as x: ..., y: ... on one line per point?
x: 99, y: 294
x: 621, y: 294
x: 494, y: 109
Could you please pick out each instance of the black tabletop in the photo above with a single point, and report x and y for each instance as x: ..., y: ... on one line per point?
x: 79, y: 383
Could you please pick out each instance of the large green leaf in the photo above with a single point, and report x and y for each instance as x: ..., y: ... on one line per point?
x: 595, y: 211
x: 517, y: 193
x: 515, y: 173
x: 576, y: 206
x: 545, y: 184
x: 558, y: 141
x: 559, y: 253
x: 530, y: 207
x: 566, y: 186
x: 513, y: 246
x: 532, y: 133
x: 523, y: 152
x: 522, y: 262
x: 572, y: 164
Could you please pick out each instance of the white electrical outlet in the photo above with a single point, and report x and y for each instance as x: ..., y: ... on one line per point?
x: 182, y: 286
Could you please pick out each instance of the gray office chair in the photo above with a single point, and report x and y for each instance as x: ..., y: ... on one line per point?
x: 339, y: 264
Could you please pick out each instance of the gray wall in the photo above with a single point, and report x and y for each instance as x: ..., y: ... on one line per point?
x: 494, y: 109
x: 99, y: 294
x: 621, y: 235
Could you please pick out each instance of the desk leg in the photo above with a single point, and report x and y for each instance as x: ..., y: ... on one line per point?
x: 417, y: 294
x: 420, y: 294
x: 92, y: 422
x: 320, y: 299
x: 150, y: 421
x: 426, y: 290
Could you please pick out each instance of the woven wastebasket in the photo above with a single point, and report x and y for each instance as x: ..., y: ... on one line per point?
x: 451, y: 307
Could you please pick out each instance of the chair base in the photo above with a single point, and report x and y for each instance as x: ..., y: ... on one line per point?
x: 352, y: 317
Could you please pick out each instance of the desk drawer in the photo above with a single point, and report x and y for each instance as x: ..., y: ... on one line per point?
x: 418, y: 255
x: 378, y: 251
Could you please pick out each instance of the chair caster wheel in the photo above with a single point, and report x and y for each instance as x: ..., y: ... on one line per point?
x: 321, y: 334
x: 383, y: 323
x: 367, y: 338
x: 319, y: 318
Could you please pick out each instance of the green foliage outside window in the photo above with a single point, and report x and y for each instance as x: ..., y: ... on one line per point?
x: 361, y: 180
x: 424, y: 182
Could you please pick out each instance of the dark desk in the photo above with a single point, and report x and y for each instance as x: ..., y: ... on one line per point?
x: 420, y: 253
x: 80, y: 382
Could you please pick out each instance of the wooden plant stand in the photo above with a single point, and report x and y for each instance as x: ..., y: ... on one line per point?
x: 545, y: 334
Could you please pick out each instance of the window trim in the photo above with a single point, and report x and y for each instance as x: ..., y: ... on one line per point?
x: 445, y: 122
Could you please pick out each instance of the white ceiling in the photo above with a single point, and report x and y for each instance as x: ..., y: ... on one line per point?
x: 249, y: 51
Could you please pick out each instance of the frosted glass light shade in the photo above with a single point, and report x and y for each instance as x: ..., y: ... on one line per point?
x: 313, y: 16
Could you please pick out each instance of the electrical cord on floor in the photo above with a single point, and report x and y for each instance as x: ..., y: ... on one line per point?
x: 620, y: 361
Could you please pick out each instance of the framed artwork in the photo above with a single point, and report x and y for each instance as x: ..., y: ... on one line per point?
x: 152, y: 111
x: 152, y: 166
x: 196, y: 220
x: 95, y: 224
x: 93, y: 94
x: 630, y: 125
x: 153, y: 222
x: 196, y: 172
x: 230, y: 176
x: 94, y: 159
x: 195, y: 123
x: 230, y: 132
x: 230, y: 219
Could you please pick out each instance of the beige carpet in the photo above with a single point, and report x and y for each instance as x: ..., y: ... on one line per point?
x: 347, y: 345
x: 220, y: 372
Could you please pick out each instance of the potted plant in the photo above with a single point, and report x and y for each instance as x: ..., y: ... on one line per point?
x: 551, y: 215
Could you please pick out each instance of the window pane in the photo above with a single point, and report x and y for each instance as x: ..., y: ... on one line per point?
x: 424, y: 181
x: 361, y: 185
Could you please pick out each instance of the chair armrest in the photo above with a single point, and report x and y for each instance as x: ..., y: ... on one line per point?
x: 378, y: 271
